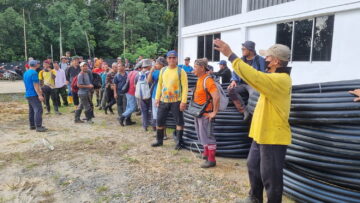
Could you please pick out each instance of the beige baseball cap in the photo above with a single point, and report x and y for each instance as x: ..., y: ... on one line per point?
x: 279, y: 51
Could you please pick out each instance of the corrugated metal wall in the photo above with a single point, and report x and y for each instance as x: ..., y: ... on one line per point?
x: 259, y: 4
x: 199, y: 11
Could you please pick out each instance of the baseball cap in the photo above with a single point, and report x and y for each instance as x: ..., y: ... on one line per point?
x: 33, y: 63
x: 171, y: 53
x: 222, y: 62
x: 279, y: 51
x: 250, y: 45
x: 118, y: 58
x: 82, y: 64
x: 146, y: 63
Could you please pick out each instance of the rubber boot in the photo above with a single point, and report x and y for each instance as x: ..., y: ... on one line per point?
x: 111, y: 110
x: 129, y: 122
x: 121, y: 120
x: 70, y: 99
x: 77, y: 116
x: 97, y: 103
x: 88, y: 115
x: 210, y: 162
x: 205, y: 154
x: 178, y: 139
x: 159, y: 138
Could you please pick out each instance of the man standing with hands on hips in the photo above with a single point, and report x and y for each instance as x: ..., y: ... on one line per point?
x: 270, y: 128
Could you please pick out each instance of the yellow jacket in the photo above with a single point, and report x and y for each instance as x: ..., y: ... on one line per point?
x: 270, y: 123
x: 169, y: 88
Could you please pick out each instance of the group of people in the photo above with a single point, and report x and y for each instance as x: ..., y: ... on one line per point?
x: 160, y: 86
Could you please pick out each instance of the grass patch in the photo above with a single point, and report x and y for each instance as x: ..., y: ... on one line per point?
x: 102, y: 189
x: 47, y: 193
x: 185, y: 160
x: 131, y: 160
x: 31, y: 166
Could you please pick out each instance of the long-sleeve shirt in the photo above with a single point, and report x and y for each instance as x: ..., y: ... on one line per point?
x: 60, y: 78
x: 225, y: 75
x: 258, y: 63
x: 270, y: 123
x: 170, y: 87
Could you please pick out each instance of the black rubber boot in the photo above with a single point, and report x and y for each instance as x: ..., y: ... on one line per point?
x: 97, y: 103
x: 121, y: 120
x: 128, y: 121
x: 88, y: 115
x: 111, y: 110
x: 159, y: 138
x: 77, y: 116
x: 178, y: 139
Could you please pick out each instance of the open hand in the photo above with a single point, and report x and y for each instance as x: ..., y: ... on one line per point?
x: 222, y: 47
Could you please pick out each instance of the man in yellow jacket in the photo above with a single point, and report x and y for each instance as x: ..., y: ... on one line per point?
x: 270, y: 128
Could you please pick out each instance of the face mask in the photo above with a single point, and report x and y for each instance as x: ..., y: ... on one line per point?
x: 267, y: 63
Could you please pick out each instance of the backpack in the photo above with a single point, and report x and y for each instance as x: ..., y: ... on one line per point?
x: 224, y: 100
x: 96, y: 81
x: 142, y: 90
x: 74, y: 87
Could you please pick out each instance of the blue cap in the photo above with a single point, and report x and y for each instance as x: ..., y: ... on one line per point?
x: 171, y: 53
x: 33, y: 63
x: 222, y: 62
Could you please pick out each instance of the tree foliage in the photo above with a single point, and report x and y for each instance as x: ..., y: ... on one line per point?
x: 113, y: 28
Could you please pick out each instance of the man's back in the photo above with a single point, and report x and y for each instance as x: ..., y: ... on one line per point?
x: 30, y: 77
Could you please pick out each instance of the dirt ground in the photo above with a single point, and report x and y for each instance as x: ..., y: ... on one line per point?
x: 104, y: 162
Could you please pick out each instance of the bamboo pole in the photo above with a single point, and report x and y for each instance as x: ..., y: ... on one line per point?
x: 60, y: 41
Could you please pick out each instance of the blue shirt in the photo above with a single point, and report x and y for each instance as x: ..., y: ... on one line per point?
x: 103, y: 79
x: 119, y: 81
x: 258, y: 63
x: 30, y: 77
x: 155, y: 78
x: 187, y: 69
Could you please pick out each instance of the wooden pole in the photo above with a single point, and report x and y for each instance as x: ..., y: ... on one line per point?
x: 60, y: 41
x: 25, y: 47
x: 88, y: 44
x: 52, y: 52
x: 124, y: 35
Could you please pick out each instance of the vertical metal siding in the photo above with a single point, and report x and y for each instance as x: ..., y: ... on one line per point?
x: 199, y: 11
x: 259, y: 4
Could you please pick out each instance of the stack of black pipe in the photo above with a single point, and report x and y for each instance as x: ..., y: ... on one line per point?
x: 323, y: 161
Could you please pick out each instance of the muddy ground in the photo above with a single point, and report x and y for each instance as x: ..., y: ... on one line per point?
x: 104, y: 162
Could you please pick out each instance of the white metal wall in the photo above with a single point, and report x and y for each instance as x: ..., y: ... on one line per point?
x: 260, y: 26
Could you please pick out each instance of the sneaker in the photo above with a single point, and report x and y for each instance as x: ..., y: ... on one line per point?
x: 32, y: 128
x: 58, y: 113
x: 41, y: 129
x: 157, y: 144
x: 208, y: 164
x: 165, y: 137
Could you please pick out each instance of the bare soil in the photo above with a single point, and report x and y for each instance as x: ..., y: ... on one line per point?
x: 104, y: 162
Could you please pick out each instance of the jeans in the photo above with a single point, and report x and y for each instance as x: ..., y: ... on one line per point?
x: 69, y: 89
x: 145, y: 112
x: 265, y: 167
x: 241, y: 93
x: 103, y: 97
x: 121, y: 104
x: 130, y: 105
x: 35, y: 111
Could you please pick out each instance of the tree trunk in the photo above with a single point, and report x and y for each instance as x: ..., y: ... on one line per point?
x: 168, y: 26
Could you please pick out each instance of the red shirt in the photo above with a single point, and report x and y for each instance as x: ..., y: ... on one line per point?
x: 131, y: 78
x: 97, y: 70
